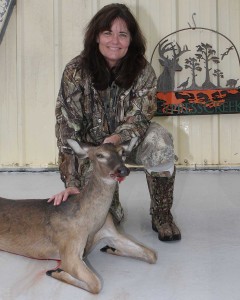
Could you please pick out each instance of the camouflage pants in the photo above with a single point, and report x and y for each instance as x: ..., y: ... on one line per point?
x: 155, y: 153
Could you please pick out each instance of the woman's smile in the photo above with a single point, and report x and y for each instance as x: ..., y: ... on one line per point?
x: 114, y: 43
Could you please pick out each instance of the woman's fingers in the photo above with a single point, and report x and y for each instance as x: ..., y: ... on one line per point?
x: 63, y: 196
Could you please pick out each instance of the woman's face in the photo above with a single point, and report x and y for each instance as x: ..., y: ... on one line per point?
x: 114, y: 43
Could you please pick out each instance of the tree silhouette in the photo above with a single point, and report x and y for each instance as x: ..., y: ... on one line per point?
x: 219, y: 74
x: 207, y: 54
x: 192, y: 64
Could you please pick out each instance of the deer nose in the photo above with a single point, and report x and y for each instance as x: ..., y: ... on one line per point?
x: 123, y: 171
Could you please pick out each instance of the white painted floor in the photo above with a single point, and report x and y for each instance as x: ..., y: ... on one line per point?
x: 204, y: 265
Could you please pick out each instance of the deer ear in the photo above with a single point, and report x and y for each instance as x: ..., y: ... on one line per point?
x: 162, y: 63
x: 80, y: 149
x: 128, y: 146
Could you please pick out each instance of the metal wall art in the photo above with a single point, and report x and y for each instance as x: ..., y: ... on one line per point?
x: 6, y: 7
x: 203, y: 87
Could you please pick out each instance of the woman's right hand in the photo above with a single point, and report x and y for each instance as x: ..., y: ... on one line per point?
x: 63, y: 196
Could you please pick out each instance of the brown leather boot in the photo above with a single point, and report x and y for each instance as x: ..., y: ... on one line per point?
x: 161, y: 193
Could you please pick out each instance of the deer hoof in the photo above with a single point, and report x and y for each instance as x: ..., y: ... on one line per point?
x: 108, y: 249
x: 49, y: 273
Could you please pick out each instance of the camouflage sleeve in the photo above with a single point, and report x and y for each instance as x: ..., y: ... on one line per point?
x: 68, y: 124
x: 142, y: 107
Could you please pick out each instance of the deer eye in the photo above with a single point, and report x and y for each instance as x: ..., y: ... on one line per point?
x: 124, y: 155
x: 99, y: 155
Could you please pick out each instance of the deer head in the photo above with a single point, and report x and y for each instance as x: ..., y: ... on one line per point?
x: 175, y: 51
x: 107, y: 159
x: 170, y: 63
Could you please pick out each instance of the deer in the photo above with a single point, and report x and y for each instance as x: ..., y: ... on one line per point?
x: 37, y: 229
x: 166, y: 81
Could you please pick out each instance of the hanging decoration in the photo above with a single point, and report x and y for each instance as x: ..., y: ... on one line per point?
x: 203, y: 88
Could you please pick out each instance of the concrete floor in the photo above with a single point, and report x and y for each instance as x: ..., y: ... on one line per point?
x: 204, y: 265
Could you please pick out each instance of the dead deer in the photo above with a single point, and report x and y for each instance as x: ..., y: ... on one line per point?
x: 37, y: 229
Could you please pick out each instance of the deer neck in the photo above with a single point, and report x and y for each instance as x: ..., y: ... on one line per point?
x: 100, y: 189
x: 96, y: 201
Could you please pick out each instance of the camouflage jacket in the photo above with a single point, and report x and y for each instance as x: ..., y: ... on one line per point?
x: 86, y: 114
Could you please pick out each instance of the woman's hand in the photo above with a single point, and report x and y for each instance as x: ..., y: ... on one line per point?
x: 62, y: 196
x: 114, y: 139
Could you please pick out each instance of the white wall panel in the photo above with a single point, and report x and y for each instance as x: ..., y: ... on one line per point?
x: 9, y: 152
x: 229, y: 127
x: 42, y: 36
x: 36, y: 77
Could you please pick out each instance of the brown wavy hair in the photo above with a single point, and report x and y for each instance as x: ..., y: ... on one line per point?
x: 94, y: 62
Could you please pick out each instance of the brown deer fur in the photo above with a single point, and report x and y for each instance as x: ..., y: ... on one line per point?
x: 68, y: 232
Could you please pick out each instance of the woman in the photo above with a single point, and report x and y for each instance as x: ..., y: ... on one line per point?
x: 107, y: 95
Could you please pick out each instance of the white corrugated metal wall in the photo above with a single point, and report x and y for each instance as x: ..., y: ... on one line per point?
x: 42, y: 36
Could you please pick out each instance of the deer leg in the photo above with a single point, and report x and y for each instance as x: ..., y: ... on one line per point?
x: 74, y: 271
x: 121, y: 245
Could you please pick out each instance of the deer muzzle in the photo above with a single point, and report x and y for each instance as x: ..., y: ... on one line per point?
x: 120, y: 173
x: 123, y: 171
